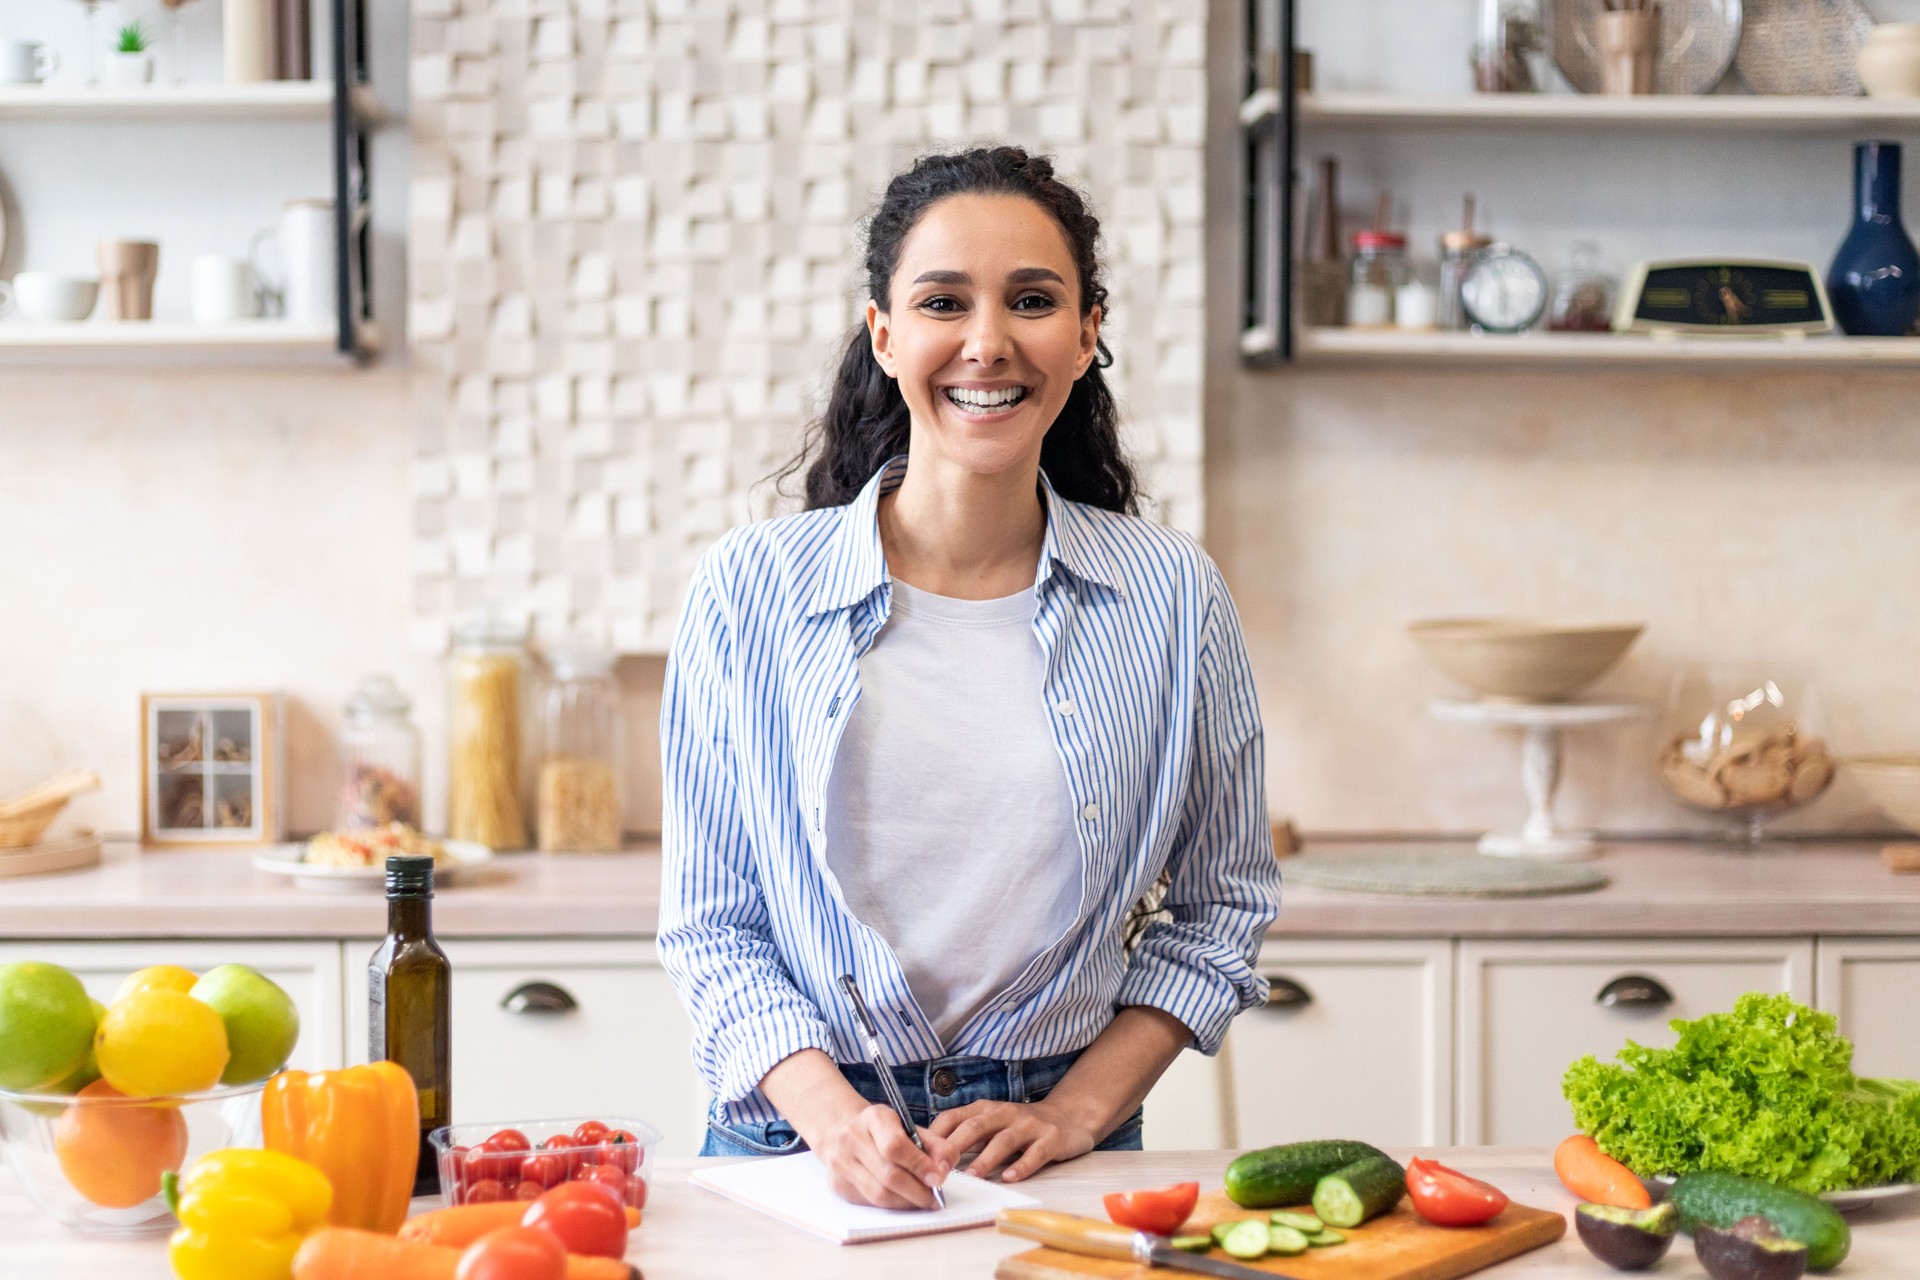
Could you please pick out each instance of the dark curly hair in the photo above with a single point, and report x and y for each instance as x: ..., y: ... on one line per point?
x: 866, y: 419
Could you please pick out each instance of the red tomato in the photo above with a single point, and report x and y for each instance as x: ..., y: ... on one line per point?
x: 1160, y: 1210
x: 508, y: 1140
x: 1448, y: 1198
x: 620, y: 1148
x: 514, y: 1253
x: 485, y: 1191
x: 501, y: 1166
x: 528, y: 1191
x: 547, y: 1169
x: 590, y: 1133
x: 568, y: 1149
x: 637, y: 1191
x: 583, y: 1218
x: 607, y: 1175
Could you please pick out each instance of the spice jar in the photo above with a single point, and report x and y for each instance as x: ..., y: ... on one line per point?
x: 379, y: 758
x: 486, y: 679
x: 1458, y: 248
x: 1582, y: 294
x: 1378, y: 270
x: 580, y: 767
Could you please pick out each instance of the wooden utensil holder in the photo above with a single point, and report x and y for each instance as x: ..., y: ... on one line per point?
x: 1629, y: 42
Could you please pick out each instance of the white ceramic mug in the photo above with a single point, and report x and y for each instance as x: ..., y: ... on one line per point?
x: 223, y: 289
x: 44, y: 295
x: 307, y: 285
x: 27, y: 62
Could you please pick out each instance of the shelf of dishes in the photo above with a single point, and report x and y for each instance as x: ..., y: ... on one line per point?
x: 261, y: 341
x: 1576, y: 111
x: 267, y: 100
x: 1433, y: 347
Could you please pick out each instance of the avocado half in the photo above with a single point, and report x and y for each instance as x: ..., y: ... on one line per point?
x: 1627, y: 1239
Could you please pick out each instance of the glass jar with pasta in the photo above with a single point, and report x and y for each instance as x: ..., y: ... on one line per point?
x: 485, y: 687
x: 580, y: 763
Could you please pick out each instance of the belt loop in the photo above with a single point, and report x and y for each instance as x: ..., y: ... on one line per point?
x: 1016, y: 1080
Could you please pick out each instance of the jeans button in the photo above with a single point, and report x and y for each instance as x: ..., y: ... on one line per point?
x: 945, y: 1082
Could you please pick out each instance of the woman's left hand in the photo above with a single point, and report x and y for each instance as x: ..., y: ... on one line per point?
x: 1039, y: 1133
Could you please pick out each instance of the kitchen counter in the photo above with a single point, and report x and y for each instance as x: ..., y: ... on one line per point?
x: 1658, y: 889
x: 690, y: 1234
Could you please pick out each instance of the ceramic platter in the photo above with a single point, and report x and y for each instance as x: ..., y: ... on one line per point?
x: 1851, y: 1201
x: 1698, y: 40
x: 1803, y: 46
x: 288, y: 860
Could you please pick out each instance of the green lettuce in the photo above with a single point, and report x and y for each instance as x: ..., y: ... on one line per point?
x: 1767, y: 1090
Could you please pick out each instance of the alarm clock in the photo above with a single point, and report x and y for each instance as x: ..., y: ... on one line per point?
x: 1733, y: 297
x: 1503, y: 290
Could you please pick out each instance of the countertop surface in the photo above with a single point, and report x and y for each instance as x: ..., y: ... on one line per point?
x: 690, y: 1234
x: 1656, y: 889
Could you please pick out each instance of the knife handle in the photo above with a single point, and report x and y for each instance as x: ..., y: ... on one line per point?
x: 1056, y: 1230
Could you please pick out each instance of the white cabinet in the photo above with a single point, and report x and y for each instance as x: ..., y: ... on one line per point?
x: 1528, y: 1009
x: 1357, y: 1043
x: 1187, y: 1109
x: 548, y: 1028
x: 308, y: 971
x: 1873, y: 986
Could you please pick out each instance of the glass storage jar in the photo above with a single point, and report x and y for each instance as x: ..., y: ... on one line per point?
x: 580, y: 764
x: 379, y: 758
x: 486, y: 683
x: 1378, y: 270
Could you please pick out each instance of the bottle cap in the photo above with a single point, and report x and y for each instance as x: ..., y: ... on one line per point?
x: 1463, y: 240
x: 1379, y: 240
x: 378, y: 695
x: 410, y: 875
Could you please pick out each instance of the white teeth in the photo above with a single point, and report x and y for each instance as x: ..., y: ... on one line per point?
x: 986, y: 399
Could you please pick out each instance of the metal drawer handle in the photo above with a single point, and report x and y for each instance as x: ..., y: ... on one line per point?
x: 539, y: 997
x: 1285, y: 993
x: 1634, y: 991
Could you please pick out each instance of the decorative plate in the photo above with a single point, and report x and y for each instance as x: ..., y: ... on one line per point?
x: 1803, y: 46
x: 1698, y: 39
x: 289, y: 860
x: 1461, y: 875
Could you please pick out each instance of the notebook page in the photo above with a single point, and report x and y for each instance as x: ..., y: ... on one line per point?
x: 796, y: 1190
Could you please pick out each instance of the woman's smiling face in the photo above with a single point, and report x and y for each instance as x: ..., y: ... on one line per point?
x: 983, y: 332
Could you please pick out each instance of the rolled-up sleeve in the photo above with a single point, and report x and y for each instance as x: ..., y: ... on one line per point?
x: 716, y: 941
x: 1198, y: 963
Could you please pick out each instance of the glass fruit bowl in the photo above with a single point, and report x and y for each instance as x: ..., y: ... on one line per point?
x: 1744, y: 742
x: 93, y: 1161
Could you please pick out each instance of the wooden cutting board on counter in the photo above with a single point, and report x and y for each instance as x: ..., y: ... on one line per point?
x: 1397, y: 1246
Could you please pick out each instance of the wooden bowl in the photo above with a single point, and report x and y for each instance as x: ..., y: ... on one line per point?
x: 1523, y: 660
x: 19, y: 830
x: 1893, y: 783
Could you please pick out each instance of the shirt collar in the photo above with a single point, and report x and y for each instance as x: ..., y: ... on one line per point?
x: 857, y: 563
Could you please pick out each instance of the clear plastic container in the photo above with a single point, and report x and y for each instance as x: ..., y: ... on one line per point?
x: 1378, y: 269
x: 582, y: 756
x: 486, y: 689
x: 553, y: 1153
x: 379, y: 758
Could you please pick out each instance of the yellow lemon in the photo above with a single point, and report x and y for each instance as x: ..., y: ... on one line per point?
x: 156, y: 977
x: 155, y: 1043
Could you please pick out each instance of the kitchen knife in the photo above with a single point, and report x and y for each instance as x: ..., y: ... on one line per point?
x: 1097, y: 1239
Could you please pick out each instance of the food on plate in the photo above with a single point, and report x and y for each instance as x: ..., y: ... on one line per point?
x: 371, y: 846
x: 1760, y: 769
x: 1448, y: 1198
x: 514, y: 1253
x: 1766, y: 1090
x: 579, y: 806
x: 1627, y: 1239
x: 47, y: 1023
x: 116, y: 1156
x: 1160, y: 1210
x: 261, y: 1021
x: 1595, y: 1176
x: 1751, y: 1249
x: 1723, y: 1199
x: 586, y: 1217
x: 158, y: 1042
x: 358, y: 1125
x: 348, y: 1253
x: 483, y: 744
x: 1364, y: 1189
x: 372, y: 795
x: 243, y: 1215
x: 460, y: 1225
x: 1288, y: 1174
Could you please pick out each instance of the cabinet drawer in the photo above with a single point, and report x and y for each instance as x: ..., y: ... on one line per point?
x: 1529, y: 1009
x: 1363, y: 1049
x: 308, y: 971
x: 1869, y: 984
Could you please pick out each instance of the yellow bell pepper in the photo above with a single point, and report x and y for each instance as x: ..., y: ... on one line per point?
x: 361, y: 1127
x: 243, y: 1215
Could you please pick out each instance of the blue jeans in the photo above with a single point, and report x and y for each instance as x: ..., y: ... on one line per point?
x: 929, y: 1088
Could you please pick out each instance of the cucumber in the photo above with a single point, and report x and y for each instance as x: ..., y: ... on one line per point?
x: 1305, y: 1223
x: 1325, y: 1237
x: 1722, y: 1199
x: 1364, y: 1189
x: 1287, y: 1175
x: 1218, y: 1232
x: 1286, y: 1241
x: 1246, y: 1239
x: 1193, y: 1244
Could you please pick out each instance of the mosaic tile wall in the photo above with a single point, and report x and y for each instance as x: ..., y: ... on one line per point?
x: 632, y: 246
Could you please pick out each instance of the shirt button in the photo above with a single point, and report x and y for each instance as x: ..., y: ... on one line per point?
x: 1064, y: 706
x: 945, y: 1082
x: 1091, y: 812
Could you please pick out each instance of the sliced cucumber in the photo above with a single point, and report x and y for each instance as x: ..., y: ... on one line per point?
x: 1218, y: 1232
x: 1305, y: 1223
x: 1365, y: 1189
x: 1247, y: 1239
x: 1286, y: 1241
x: 1193, y: 1244
x: 1324, y: 1237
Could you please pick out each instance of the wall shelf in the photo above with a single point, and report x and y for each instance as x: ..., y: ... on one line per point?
x: 1598, y: 111
x: 280, y: 342
x: 272, y: 100
x: 1428, y: 349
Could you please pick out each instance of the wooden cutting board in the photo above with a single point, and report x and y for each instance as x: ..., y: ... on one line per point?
x: 1398, y: 1246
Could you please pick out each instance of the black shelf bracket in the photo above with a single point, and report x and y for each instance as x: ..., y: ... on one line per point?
x: 352, y: 188
x: 1270, y: 142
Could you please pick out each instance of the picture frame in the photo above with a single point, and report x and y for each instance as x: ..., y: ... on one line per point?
x: 211, y: 768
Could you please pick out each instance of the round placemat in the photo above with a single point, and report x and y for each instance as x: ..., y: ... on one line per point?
x: 1803, y: 46
x: 1456, y: 875
x: 1697, y: 42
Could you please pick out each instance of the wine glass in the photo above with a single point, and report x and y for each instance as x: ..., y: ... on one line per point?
x: 174, y: 9
x: 93, y: 40
x: 1743, y: 741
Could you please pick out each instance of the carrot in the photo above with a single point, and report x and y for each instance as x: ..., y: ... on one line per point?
x: 461, y: 1225
x: 581, y: 1267
x: 1593, y: 1175
x: 343, y: 1253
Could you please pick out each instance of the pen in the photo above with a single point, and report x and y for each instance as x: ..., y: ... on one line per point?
x: 871, y: 1030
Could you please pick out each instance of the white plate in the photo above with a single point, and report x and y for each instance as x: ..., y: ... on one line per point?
x: 1850, y: 1201
x: 288, y: 860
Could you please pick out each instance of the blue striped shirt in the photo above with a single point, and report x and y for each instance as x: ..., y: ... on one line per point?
x: 1155, y: 721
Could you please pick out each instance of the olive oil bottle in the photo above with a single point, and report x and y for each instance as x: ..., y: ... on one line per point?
x: 409, y: 993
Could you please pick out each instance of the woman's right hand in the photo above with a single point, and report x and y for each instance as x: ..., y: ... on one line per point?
x: 872, y: 1160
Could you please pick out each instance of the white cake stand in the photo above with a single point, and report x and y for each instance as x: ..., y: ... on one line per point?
x: 1543, y: 722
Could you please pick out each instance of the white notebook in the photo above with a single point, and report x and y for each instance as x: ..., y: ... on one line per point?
x: 796, y: 1190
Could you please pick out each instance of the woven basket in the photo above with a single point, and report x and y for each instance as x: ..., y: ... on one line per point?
x: 26, y: 817
x: 23, y: 829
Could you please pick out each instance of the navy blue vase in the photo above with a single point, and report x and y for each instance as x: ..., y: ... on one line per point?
x: 1875, y: 278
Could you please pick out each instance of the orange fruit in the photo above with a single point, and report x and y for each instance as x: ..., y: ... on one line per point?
x: 114, y: 1155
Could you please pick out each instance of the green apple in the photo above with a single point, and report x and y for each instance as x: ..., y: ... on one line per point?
x: 46, y: 1025
x: 89, y: 1070
x: 262, y: 1024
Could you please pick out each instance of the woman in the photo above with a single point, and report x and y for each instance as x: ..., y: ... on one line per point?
x: 943, y: 729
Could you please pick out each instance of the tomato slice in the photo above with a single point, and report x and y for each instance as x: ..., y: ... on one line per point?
x: 1448, y: 1198
x: 1160, y: 1210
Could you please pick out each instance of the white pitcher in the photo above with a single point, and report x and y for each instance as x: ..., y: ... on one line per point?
x: 308, y: 283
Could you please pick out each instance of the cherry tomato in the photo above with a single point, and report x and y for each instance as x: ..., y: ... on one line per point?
x: 528, y: 1191
x: 1449, y: 1198
x: 480, y: 1164
x: 547, y: 1169
x: 1160, y: 1210
x: 514, y: 1253
x: 636, y: 1191
x: 507, y: 1140
x: 567, y: 1148
x: 584, y: 1219
x: 590, y: 1133
x: 456, y: 1162
x: 610, y: 1176
x: 485, y: 1191
x: 620, y: 1148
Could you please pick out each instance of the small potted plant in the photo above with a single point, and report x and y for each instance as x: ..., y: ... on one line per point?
x: 132, y: 60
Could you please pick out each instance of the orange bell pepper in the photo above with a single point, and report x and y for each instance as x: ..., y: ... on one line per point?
x: 361, y: 1127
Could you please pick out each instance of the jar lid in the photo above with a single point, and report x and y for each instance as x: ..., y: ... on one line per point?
x: 1379, y: 240
x: 1462, y: 240
x: 490, y: 630
x: 378, y: 695
x: 572, y: 661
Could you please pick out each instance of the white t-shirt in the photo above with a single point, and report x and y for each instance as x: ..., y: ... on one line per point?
x: 949, y: 823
